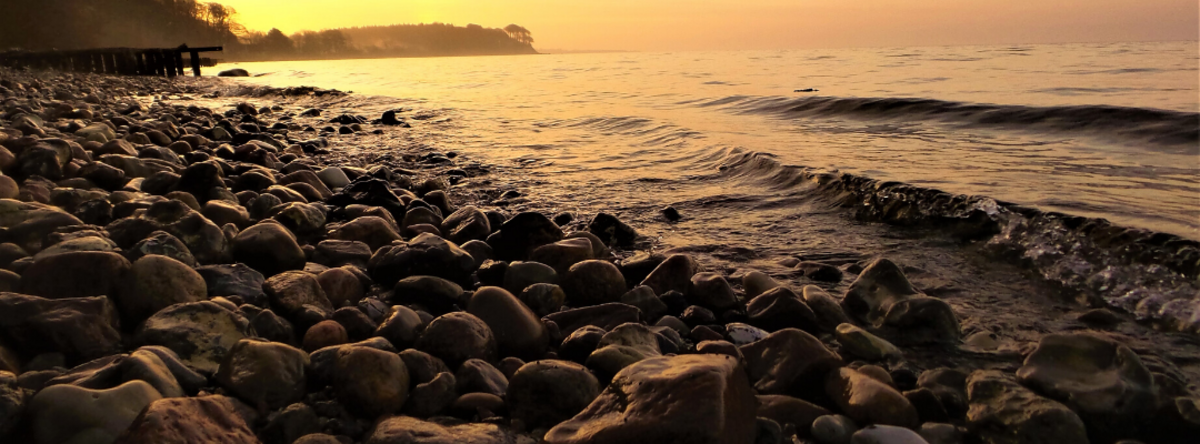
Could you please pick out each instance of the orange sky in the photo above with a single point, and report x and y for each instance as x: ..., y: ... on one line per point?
x: 756, y: 24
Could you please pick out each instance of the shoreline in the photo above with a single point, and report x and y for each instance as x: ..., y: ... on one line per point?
x: 380, y: 57
x: 679, y: 312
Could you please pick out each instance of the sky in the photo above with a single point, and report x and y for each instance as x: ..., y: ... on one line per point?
x: 678, y: 25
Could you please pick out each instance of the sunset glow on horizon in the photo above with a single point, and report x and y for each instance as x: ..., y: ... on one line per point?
x: 667, y: 25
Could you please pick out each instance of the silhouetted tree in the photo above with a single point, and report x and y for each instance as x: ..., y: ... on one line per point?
x: 518, y: 33
x: 275, y: 41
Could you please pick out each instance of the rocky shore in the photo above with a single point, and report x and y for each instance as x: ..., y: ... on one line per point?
x: 181, y: 267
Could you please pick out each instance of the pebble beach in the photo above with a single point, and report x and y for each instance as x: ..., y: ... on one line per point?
x: 183, y: 264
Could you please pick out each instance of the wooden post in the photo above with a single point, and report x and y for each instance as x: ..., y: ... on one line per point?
x: 168, y: 62
x: 156, y: 63
x: 195, y: 63
x: 131, y: 62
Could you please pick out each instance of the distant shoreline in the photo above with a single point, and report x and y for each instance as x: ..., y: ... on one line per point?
x: 377, y: 57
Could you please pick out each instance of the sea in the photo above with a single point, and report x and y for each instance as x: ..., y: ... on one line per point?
x: 1049, y: 141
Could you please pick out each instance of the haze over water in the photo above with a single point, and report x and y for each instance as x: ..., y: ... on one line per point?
x: 1098, y: 130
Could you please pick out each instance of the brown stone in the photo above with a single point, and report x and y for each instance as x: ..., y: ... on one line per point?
x: 369, y: 381
x: 290, y: 291
x: 324, y: 334
x: 409, y: 430
x: 685, y: 399
x: 789, y: 362
x: 208, y: 419
x: 517, y: 329
x: 80, y: 328
x: 75, y: 274
x: 870, y: 401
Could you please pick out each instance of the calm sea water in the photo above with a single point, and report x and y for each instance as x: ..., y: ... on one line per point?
x: 1098, y: 130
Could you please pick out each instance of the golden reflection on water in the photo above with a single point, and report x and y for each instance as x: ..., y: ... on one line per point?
x: 628, y: 116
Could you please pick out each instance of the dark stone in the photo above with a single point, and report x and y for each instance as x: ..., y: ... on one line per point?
x: 780, y: 308
x: 688, y: 398
x: 518, y: 236
x: 478, y: 376
x: 545, y: 393
x: 612, y: 231
x: 236, y: 280
x: 820, y: 272
x: 82, y: 329
x: 605, y: 316
x: 790, y: 362
x: 426, y: 254
x: 457, y: 337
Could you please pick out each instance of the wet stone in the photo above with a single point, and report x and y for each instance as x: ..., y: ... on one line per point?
x: 457, y: 337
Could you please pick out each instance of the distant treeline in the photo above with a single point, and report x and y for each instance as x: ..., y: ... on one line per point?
x: 79, y: 24
x: 436, y: 39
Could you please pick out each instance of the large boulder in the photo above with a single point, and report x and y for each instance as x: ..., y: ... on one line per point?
x: 1004, y: 412
x: 457, y: 337
x: 148, y: 366
x: 868, y: 400
x: 203, y: 238
x: 66, y: 413
x: 234, y: 280
x: 201, y: 333
x: 612, y: 231
x: 401, y: 328
x: 409, y: 430
x: 673, y: 274
x: 466, y: 224
x: 290, y: 291
x: 883, y: 297
x: 269, y: 248
x: 28, y: 223
x: 1100, y: 379
x: 75, y: 274
x: 433, y: 293
x: 336, y: 253
x: 518, y: 236
x: 605, y: 316
x: 789, y: 362
x: 623, y: 346
x: 517, y: 329
x: 82, y: 329
x: 545, y: 393
x: 858, y: 342
x: 209, y: 419
x: 426, y: 254
x: 369, y: 381
x: 689, y: 398
x: 162, y: 243
x: 712, y: 291
x: 157, y: 282
x: 374, y: 231
x: 593, y: 282
x: 268, y: 374
x: 563, y: 254
x: 779, y: 308
x: 521, y: 274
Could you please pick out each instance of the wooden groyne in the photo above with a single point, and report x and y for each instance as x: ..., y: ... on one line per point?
x: 125, y: 61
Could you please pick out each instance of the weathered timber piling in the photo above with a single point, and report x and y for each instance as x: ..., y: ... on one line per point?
x: 125, y: 61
